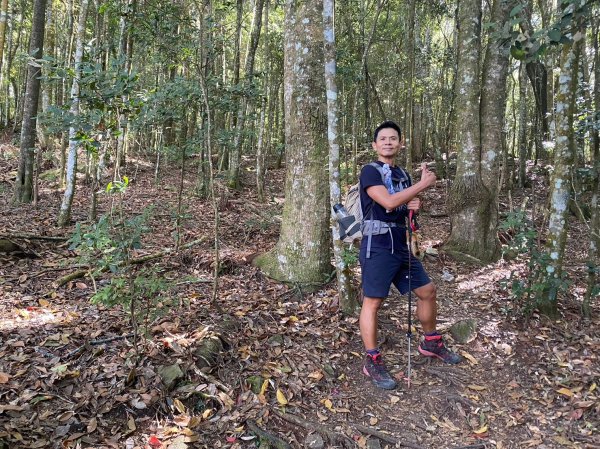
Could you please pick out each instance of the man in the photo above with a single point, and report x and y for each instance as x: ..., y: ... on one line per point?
x: 384, y: 256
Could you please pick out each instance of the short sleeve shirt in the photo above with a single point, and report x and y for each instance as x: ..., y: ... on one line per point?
x: 369, y: 177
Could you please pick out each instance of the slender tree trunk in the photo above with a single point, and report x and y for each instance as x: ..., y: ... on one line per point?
x: 365, y: 69
x: 593, y: 264
x: 347, y: 297
x: 260, y: 146
x: 560, y: 183
x: 236, y: 152
x: 302, y: 254
x: 43, y: 136
x: 64, y: 215
x: 522, y: 140
x: 410, y: 107
x: 3, y: 20
x: 224, y: 157
x: 24, y: 183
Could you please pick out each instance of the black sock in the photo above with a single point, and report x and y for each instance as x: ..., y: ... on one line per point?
x: 373, y: 352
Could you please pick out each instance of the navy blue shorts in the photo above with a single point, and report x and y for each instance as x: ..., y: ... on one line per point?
x: 383, y: 269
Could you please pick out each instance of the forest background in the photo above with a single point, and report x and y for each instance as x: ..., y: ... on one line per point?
x: 146, y: 133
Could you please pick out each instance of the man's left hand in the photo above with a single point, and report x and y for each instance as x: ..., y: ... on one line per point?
x: 414, y: 204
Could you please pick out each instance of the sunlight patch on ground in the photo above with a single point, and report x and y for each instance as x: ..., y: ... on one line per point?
x: 30, y: 316
x: 484, y: 278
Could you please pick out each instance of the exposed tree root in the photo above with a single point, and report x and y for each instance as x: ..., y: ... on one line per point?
x: 263, y: 435
x: 450, y: 377
x: 386, y: 437
x: 463, y: 257
x: 332, y: 437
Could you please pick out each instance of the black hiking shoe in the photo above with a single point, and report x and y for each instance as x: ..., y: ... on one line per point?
x: 433, y: 346
x: 376, y: 370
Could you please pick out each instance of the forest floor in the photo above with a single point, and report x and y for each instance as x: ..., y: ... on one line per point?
x: 269, y: 356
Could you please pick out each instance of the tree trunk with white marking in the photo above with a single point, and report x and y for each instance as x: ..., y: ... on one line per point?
x: 347, y: 297
x: 560, y: 182
x: 64, y: 215
x: 302, y: 254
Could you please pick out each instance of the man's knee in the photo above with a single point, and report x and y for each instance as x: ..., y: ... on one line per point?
x: 427, y: 292
x: 371, y: 303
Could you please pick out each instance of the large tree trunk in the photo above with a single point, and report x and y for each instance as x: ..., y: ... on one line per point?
x: 470, y: 201
x: 560, y: 183
x: 24, y: 183
x: 64, y: 215
x: 347, y: 297
x: 493, y: 99
x: 302, y: 254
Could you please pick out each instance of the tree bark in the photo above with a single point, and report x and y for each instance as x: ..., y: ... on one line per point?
x: 260, y: 145
x: 236, y: 152
x: 24, y: 183
x: 347, y: 297
x: 3, y: 19
x: 470, y: 201
x: 522, y: 140
x: 302, y: 254
x: 493, y: 101
x: 64, y: 214
x: 560, y: 182
x: 594, y: 244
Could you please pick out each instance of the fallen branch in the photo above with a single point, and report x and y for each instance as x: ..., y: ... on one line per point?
x: 472, y: 446
x: 210, y: 379
x: 386, y: 437
x: 333, y: 437
x: 81, y: 273
x: 273, y: 440
x: 96, y: 343
x: 34, y: 237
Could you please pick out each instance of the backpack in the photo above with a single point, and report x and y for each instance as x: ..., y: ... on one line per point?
x: 351, y: 229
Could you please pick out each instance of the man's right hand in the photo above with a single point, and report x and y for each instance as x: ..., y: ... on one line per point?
x: 428, y: 177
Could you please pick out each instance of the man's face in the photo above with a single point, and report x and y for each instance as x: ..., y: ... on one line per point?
x: 387, y: 143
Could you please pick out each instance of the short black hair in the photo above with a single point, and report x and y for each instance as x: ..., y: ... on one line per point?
x: 387, y: 124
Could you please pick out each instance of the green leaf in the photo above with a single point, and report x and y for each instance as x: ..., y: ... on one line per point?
x: 518, y: 53
x: 517, y: 9
x: 554, y: 35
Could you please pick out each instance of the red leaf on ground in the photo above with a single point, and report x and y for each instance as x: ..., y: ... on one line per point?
x: 154, y: 441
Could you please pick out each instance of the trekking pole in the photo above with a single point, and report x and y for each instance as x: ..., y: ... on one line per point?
x: 409, y: 331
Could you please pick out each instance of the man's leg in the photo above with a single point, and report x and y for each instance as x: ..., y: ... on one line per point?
x: 432, y: 345
x: 427, y: 307
x: 374, y: 366
x: 368, y: 321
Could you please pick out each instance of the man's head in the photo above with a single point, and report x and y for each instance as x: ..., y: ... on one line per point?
x: 386, y: 141
x: 384, y: 125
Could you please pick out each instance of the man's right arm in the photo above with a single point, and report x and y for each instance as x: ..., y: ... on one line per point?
x: 380, y: 195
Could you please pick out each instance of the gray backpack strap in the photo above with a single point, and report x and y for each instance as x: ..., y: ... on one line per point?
x: 370, y: 236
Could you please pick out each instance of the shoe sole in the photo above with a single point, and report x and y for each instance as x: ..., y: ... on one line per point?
x: 433, y: 354
x: 383, y: 387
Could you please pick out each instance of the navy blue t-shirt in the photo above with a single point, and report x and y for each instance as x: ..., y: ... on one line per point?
x: 370, y: 176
